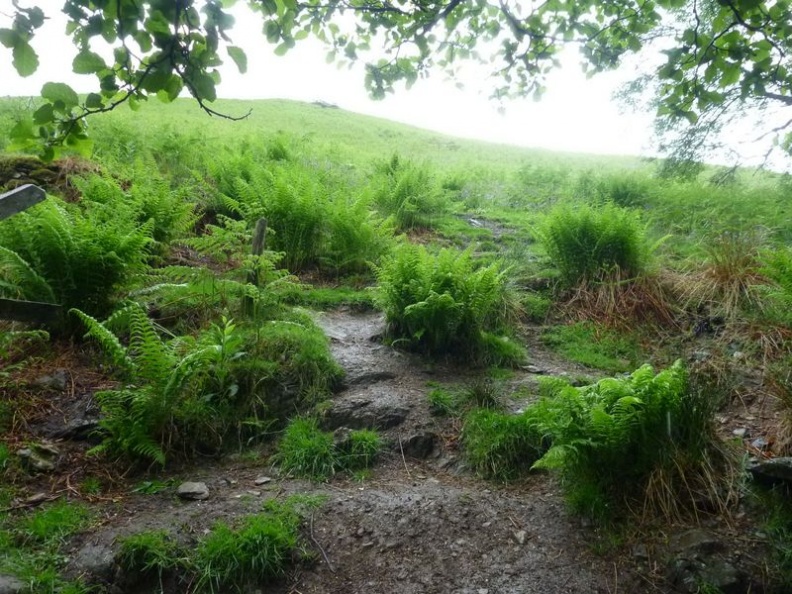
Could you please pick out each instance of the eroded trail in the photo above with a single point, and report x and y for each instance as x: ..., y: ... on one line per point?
x: 419, y: 524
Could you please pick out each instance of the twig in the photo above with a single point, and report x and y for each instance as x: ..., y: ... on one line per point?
x: 316, y: 542
x: 404, y: 460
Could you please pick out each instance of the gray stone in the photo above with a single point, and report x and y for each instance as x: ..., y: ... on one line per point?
x: 364, y: 414
x: 96, y: 560
x: 742, y: 433
x: 10, y: 585
x: 695, y: 542
x: 761, y: 444
x: 42, y: 456
x: 534, y: 369
x: 262, y: 480
x: 775, y: 470
x: 420, y: 445
x: 520, y: 536
x: 56, y: 381
x: 193, y: 491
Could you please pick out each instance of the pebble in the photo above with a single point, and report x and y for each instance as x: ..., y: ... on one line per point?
x: 262, y: 480
x: 742, y: 433
x: 193, y: 491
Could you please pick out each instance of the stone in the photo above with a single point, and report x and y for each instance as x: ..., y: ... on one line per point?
x: 364, y: 414
x: 96, y: 560
x: 42, y: 457
x: 262, y: 480
x: 742, y: 433
x: 420, y: 445
x: 193, y: 491
x: 520, y: 536
x: 10, y: 585
x: 696, y: 542
x: 56, y: 381
x: 534, y: 369
x: 761, y: 444
x: 772, y: 471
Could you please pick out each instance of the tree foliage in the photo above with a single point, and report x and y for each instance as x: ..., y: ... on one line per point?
x: 719, y: 53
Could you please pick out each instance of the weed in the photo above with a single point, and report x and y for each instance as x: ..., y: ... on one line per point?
x: 482, y: 393
x: 535, y: 306
x: 148, y: 553
x: 441, y: 402
x: 52, y: 523
x: 361, y: 451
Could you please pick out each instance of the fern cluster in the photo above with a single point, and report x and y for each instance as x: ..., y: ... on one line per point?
x: 408, y: 193
x: 590, y: 244
x: 192, y: 395
x: 646, y: 436
x: 76, y: 256
x: 445, y: 304
x: 313, y: 220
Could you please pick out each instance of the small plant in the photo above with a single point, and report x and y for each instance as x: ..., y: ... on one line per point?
x: 91, y: 486
x: 441, y: 402
x: 594, y: 346
x: 591, y: 244
x: 361, y: 451
x: 306, y: 450
x: 501, y: 445
x: 52, y: 523
x: 445, y: 305
x: 148, y: 553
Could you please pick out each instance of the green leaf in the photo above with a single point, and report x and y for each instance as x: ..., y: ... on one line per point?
x: 44, y: 114
x: 239, y: 58
x: 282, y: 49
x: 94, y: 101
x: 87, y: 62
x: 60, y: 92
x: 8, y: 38
x: 204, y: 87
x: 272, y: 31
x: 25, y: 59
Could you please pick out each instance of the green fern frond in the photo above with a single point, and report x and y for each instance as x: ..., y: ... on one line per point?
x: 109, y: 342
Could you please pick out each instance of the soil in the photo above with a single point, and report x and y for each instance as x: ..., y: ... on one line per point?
x: 420, y: 523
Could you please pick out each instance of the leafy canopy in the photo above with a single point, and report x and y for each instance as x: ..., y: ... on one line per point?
x: 721, y: 52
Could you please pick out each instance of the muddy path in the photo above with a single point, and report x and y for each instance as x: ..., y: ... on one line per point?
x: 421, y: 523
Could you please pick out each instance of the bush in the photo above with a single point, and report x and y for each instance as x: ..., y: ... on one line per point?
x: 591, y: 244
x: 445, y: 305
x: 647, y: 437
x: 501, y: 445
x: 624, y: 190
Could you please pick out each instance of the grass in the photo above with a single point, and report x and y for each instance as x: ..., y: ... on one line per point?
x: 594, y: 346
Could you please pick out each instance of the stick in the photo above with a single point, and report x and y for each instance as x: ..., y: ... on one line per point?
x: 316, y: 542
x: 404, y: 460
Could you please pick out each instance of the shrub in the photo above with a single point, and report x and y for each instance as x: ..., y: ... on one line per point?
x: 445, y: 305
x: 624, y: 190
x: 647, y: 437
x: 501, y: 445
x: 590, y: 244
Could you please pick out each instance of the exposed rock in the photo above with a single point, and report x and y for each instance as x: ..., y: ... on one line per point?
x: 79, y: 420
x: 40, y: 456
x: 10, y: 585
x: 775, y: 470
x: 687, y: 576
x: 695, y: 542
x: 364, y: 414
x: 262, y: 480
x: 534, y: 369
x: 56, y: 381
x: 520, y: 536
x: 420, y: 445
x: 193, y: 491
x: 357, y: 377
x: 96, y: 560
x: 742, y: 433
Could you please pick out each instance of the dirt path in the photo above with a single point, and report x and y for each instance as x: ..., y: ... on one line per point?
x: 415, y: 526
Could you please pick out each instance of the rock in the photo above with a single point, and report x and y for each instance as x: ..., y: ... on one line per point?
x: 364, y: 414
x: 193, y: 491
x: 96, y: 560
x: 534, y: 369
x: 420, y: 445
x: 773, y: 471
x: 520, y: 536
x: 693, y: 543
x: 640, y: 552
x: 365, y: 377
x: 42, y: 457
x: 262, y: 480
x: 57, y: 381
x: 688, y: 576
x: 76, y: 430
x: 10, y: 585
x: 761, y: 444
x: 742, y: 433
x: 342, y: 438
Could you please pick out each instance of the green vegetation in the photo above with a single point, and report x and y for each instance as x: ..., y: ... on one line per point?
x: 446, y: 304
x: 254, y: 550
x: 307, y: 451
x: 594, y: 346
x: 32, y: 545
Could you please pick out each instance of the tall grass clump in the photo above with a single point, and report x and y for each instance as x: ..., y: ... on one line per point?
x: 444, y: 304
x: 590, y: 244
x: 644, y: 442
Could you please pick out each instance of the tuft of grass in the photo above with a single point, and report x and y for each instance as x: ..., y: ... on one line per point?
x: 501, y: 445
x: 148, y: 553
x: 442, y: 402
x: 53, y: 523
x: 592, y: 244
x: 305, y: 450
